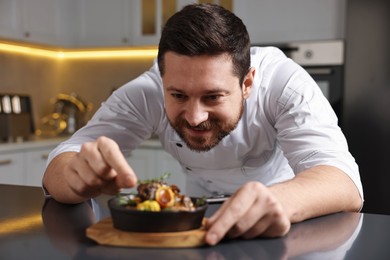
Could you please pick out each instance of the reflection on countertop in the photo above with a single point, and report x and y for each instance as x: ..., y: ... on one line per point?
x: 328, y: 237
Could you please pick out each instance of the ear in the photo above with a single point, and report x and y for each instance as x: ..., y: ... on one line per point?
x: 248, y: 82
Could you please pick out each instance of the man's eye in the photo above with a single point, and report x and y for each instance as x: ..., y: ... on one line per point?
x: 212, y: 98
x: 178, y: 96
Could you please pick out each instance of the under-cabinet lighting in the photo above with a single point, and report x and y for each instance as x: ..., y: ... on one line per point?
x: 33, y: 51
x: 133, y: 53
x: 80, y: 54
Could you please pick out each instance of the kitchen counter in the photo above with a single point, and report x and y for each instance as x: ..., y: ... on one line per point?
x: 23, y: 163
x: 34, y: 228
x: 37, y: 143
x: 34, y: 143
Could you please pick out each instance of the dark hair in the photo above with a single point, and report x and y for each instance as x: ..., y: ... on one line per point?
x: 206, y: 29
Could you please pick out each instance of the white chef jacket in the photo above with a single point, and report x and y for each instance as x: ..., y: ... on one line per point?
x: 287, y: 126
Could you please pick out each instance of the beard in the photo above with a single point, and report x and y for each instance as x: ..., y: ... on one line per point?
x: 218, y: 129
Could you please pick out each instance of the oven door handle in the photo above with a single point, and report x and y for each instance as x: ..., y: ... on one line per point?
x: 319, y: 71
x: 288, y: 49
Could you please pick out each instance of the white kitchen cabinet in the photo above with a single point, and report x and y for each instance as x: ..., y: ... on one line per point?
x: 80, y: 23
x: 40, y: 21
x: 149, y: 163
x: 12, y: 168
x: 267, y: 21
x: 142, y: 161
x: 34, y: 21
x: 9, y: 19
x: 163, y: 10
x: 24, y: 163
x: 24, y: 167
x: 281, y: 21
x: 117, y: 23
x: 35, y: 166
x: 99, y: 23
x: 109, y: 23
x: 138, y: 36
x: 103, y: 23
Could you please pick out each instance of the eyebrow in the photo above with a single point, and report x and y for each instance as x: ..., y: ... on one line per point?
x: 209, y: 92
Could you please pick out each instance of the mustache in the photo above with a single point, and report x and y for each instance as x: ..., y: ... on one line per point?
x: 204, y: 126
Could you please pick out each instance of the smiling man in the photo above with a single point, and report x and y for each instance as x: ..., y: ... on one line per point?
x: 201, y: 102
x: 243, y: 121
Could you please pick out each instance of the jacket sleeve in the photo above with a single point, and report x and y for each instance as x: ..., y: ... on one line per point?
x: 306, y: 125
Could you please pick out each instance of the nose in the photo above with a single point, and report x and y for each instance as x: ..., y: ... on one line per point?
x: 196, y: 113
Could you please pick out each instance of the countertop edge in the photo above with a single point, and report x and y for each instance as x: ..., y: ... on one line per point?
x: 43, y: 143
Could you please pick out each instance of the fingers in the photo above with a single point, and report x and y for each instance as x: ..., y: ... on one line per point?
x: 107, y: 162
x: 272, y: 225
x: 250, y: 212
x: 228, y: 215
x: 99, y: 167
x: 76, y: 183
x: 115, y: 160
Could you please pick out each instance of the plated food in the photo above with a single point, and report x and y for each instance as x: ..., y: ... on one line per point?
x: 157, y: 207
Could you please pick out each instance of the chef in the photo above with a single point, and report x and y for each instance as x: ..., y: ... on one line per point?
x: 242, y: 121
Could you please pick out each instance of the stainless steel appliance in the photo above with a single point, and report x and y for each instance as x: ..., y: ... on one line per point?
x: 15, y: 118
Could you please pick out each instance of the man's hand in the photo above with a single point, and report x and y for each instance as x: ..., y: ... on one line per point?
x: 98, y: 168
x: 252, y: 211
x: 257, y: 210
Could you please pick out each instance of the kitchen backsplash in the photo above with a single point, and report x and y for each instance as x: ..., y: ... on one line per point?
x: 43, y: 78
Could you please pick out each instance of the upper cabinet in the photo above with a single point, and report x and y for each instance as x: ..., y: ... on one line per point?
x: 9, y: 22
x: 35, y: 21
x: 123, y: 22
x: 280, y: 21
x: 101, y: 23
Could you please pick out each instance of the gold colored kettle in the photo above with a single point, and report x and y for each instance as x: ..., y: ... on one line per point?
x: 69, y: 115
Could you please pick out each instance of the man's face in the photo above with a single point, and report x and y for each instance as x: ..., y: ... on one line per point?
x: 203, y: 99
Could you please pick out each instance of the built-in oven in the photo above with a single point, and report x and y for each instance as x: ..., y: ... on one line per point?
x: 324, y: 61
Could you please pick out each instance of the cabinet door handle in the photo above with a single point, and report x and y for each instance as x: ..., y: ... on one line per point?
x: 5, y: 162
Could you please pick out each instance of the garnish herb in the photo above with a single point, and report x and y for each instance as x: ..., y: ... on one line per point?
x: 162, y: 178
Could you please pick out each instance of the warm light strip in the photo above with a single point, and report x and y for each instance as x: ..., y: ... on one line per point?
x: 79, y: 54
x: 20, y: 224
x: 27, y: 50
x: 139, y: 53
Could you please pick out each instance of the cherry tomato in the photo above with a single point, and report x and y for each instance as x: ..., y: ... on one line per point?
x: 165, y: 197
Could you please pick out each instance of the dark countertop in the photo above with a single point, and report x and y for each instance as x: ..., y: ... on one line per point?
x: 32, y: 228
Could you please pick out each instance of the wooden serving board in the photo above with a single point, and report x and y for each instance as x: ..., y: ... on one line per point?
x: 104, y: 233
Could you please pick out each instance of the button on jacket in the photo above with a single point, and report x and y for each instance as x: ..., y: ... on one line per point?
x: 287, y: 126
